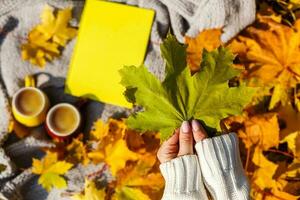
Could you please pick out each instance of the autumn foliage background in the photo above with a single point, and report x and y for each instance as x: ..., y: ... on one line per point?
x: 268, y: 52
x: 269, y: 129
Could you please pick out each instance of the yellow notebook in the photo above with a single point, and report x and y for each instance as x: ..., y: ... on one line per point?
x: 110, y: 36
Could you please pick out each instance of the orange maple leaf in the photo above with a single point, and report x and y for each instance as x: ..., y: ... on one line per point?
x: 270, y: 52
x: 208, y: 39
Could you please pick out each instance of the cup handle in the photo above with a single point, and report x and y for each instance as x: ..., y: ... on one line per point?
x: 29, y: 81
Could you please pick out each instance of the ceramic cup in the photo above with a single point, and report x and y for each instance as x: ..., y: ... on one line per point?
x: 62, y: 121
x: 30, y: 106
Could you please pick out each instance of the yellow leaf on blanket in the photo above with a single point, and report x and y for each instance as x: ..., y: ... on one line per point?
x: 76, y: 152
x: 112, y: 147
x: 45, y: 41
x: 129, y: 193
x: 56, y: 28
x: 50, y: 171
x: 117, y: 154
x: 90, y: 192
x: 99, y: 130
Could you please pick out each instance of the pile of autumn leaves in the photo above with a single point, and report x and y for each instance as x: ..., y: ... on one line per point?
x: 269, y: 128
x: 130, y: 156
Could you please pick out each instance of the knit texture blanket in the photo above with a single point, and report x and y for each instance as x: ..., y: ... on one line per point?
x: 18, y: 17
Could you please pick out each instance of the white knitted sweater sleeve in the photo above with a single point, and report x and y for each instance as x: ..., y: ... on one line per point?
x: 222, y: 169
x: 218, y: 164
x: 183, y: 179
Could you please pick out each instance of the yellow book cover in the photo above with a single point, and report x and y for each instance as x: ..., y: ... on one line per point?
x: 110, y: 36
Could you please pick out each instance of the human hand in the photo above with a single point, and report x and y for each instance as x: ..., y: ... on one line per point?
x: 182, y: 141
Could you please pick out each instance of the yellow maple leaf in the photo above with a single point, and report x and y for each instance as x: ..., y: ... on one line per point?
x: 115, y: 155
x: 261, y: 130
x: 99, y: 130
x: 134, y: 176
x: 268, y: 181
x: 90, y: 192
x: 117, y: 145
x: 130, y: 193
x: 269, y: 51
x: 293, y: 141
x: 291, y: 119
x: 263, y: 176
x: 280, y: 195
x: 270, y: 54
x: 264, y: 186
x: 76, y: 152
x: 46, y: 39
x: 57, y: 28
x: 112, y: 147
x: 50, y: 171
x: 208, y: 39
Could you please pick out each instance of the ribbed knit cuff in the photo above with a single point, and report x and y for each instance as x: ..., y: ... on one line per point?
x: 183, y: 179
x: 221, y: 167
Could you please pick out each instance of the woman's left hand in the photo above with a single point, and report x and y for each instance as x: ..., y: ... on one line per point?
x: 182, y: 141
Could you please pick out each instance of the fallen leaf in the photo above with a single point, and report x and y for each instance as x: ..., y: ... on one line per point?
x: 270, y: 54
x: 131, y: 180
x: 263, y: 176
x: 112, y: 147
x: 128, y: 193
x: 281, y: 11
x: 99, y: 130
x: 51, y: 171
x: 117, y: 154
x: 56, y: 28
x: 45, y: 41
x: 207, y: 39
x: 279, y: 95
x: 90, y: 192
x: 264, y: 186
x: 76, y: 152
x: 291, y: 119
x: 293, y: 141
x: 261, y: 131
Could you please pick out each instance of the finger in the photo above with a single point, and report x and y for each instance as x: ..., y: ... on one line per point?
x: 185, y: 139
x: 173, y: 139
x: 169, y: 149
x: 198, y: 131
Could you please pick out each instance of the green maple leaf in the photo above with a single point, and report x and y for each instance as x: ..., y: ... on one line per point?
x: 205, y: 95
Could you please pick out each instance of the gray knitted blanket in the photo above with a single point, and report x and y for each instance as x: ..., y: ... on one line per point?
x: 18, y: 17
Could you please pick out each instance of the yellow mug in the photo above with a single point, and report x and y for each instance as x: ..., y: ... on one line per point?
x: 30, y: 104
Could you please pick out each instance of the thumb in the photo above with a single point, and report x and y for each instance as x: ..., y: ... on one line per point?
x: 185, y: 139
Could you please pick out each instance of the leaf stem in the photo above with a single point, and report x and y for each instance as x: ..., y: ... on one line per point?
x: 281, y: 152
x: 247, y: 159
